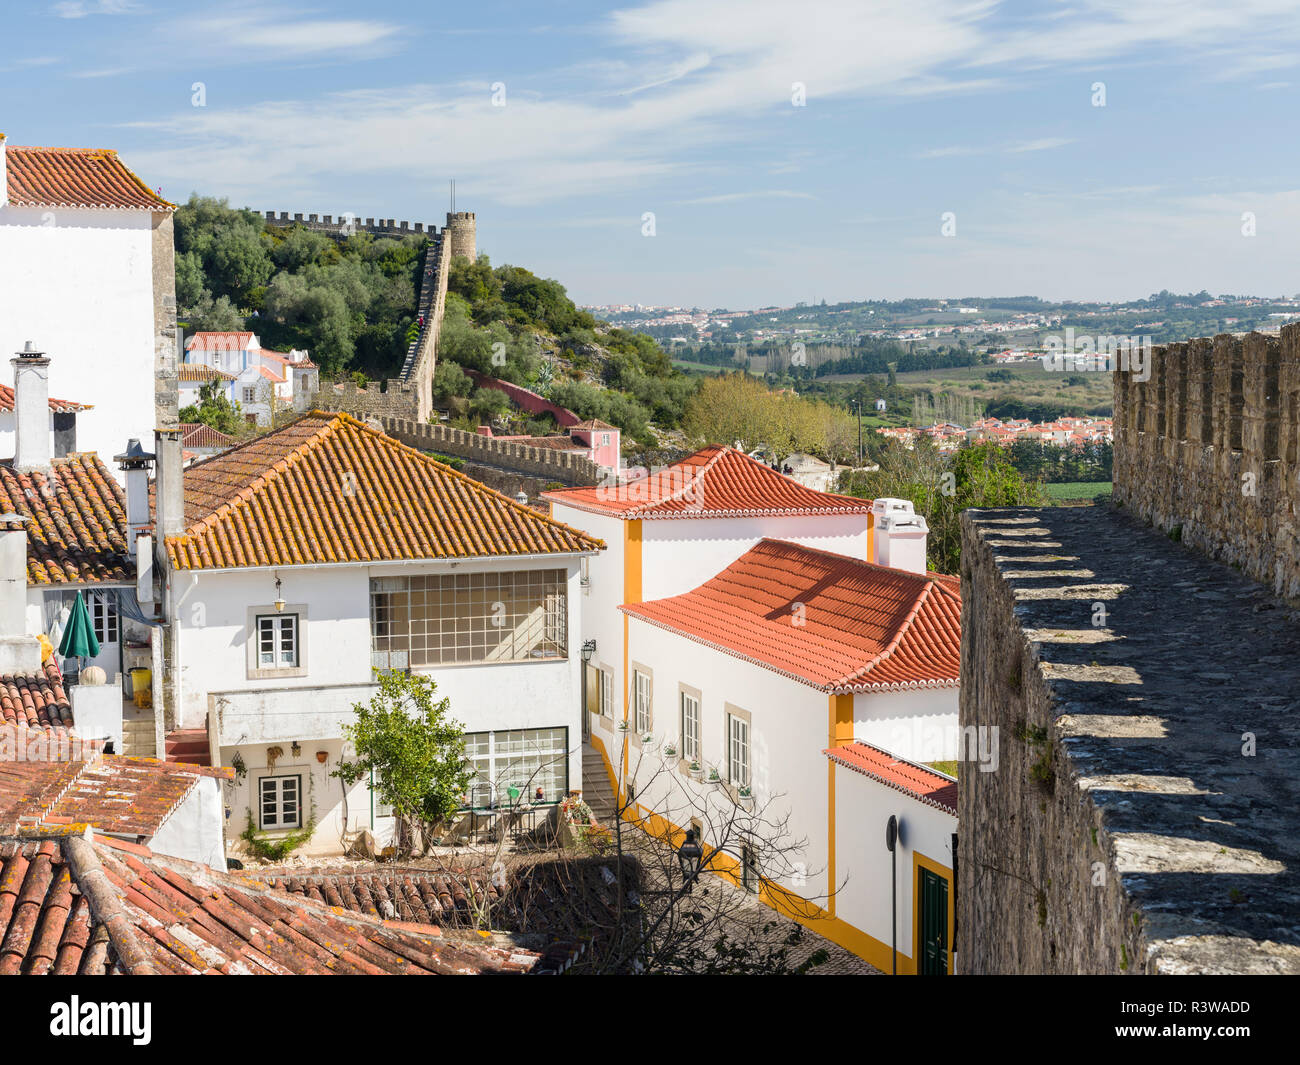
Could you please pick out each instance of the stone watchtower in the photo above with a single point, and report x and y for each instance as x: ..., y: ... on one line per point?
x: 460, y: 228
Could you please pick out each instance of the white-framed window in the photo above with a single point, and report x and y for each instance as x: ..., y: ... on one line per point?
x: 378, y: 808
x: 604, y: 439
x: 690, y: 726
x: 280, y: 801
x: 737, y: 751
x: 606, y: 693
x: 277, y: 641
x: 250, y: 395
x: 103, y: 617
x: 510, y: 767
x: 641, y: 682
x: 468, y: 618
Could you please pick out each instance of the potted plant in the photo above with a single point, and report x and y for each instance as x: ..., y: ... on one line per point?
x: 696, y: 770
x: 670, y: 748
x: 745, y: 797
x: 714, y: 776
x: 622, y: 726
x: 648, y: 740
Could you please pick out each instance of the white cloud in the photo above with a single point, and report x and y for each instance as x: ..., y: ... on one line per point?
x: 75, y: 9
x: 736, y: 197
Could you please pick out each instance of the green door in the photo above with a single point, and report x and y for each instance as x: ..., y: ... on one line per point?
x: 934, y: 924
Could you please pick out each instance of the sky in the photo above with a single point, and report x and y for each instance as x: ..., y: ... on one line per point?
x: 719, y: 154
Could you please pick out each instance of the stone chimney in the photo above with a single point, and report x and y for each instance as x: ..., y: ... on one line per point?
x: 13, y: 576
x: 170, y: 488
x: 899, y: 535
x: 31, y: 410
x: 135, y: 462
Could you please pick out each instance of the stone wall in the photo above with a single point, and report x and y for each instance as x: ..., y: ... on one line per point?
x: 1140, y: 815
x: 1208, y: 449
x: 346, y: 225
x: 549, y: 466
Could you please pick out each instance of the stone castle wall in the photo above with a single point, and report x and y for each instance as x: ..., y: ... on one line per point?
x: 1208, y: 450
x: 565, y: 467
x: 346, y: 225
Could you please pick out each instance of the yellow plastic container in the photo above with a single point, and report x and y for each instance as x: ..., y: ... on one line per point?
x: 141, y: 687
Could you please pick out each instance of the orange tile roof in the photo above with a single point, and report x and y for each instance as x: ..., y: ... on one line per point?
x: 76, y: 527
x: 76, y: 177
x: 196, y: 434
x: 57, y: 406
x: 36, y: 700
x: 192, y: 371
x: 921, y: 782
x: 326, y: 488
x: 230, y: 340
x: 834, y: 622
x: 714, y: 482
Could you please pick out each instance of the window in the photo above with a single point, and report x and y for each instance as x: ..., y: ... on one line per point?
x: 250, y: 395
x: 749, y: 876
x: 468, y: 618
x: 606, y: 693
x: 277, y: 641
x: 103, y: 616
x: 737, y: 751
x: 690, y: 726
x: 604, y: 439
x: 281, y: 801
x: 641, y: 699
x: 510, y: 767
x: 378, y: 808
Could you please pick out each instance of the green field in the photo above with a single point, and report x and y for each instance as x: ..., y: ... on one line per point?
x: 1069, y: 491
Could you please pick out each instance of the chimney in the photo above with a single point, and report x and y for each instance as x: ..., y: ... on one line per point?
x: 13, y: 576
x: 170, y: 490
x: 31, y: 410
x: 135, y: 462
x: 4, y: 174
x: 899, y: 535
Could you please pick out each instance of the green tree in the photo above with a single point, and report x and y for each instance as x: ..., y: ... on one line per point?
x: 409, y: 744
x: 214, y: 409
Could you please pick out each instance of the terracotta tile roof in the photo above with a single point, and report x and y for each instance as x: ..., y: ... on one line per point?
x: 271, y: 375
x: 595, y: 423
x: 714, y: 482
x: 76, y: 527
x: 96, y: 906
x: 196, y: 434
x: 232, y: 340
x: 921, y: 782
x: 76, y: 177
x: 326, y: 488
x: 192, y: 371
x: 57, y: 406
x: 36, y: 700
x: 113, y: 793
x: 415, y: 895
x: 837, y: 623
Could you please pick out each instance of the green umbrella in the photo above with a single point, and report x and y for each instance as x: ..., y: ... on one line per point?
x: 79, y: 634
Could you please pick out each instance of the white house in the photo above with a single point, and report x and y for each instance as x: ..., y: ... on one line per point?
x: 674, y: 529
x: 191, y: 378
x: 744, y: 687
x: 86, y: 273
x: 263, y: 380
x: 308, y: 557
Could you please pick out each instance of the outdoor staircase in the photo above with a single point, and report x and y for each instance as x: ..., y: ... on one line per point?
x: 597, y: 791
x: 138, y: 738
x: 189, y: 745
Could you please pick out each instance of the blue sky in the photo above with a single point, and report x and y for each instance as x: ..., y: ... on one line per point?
x: 685, y: 108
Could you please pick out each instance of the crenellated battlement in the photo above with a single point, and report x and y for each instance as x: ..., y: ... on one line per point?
x: 347, y: 224
x: 1207, y: 448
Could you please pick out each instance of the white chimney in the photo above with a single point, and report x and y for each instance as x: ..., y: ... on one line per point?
x: 135, y: 462
x: 169, y: 488
x: 13, y: 576
x: 4, y: 174
x: 899, y: 535
x: 31, y: 410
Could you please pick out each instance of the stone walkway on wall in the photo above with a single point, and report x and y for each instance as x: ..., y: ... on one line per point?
x: 1160, y: 670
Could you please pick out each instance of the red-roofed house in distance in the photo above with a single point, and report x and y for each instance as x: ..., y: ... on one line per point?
x: 668, y: 532
x: 749, y: 693
x: 265, y: 381
x: 87, y: 275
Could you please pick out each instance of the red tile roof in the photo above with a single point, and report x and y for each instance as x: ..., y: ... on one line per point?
x: 834, y: 622
x: 96, y: 906
x: 196, y: 434
x: 76, y: 177
x: 57, y: 406
x: 192, y: 371
x: 421, y: 896
x: 76, y: 527
x: 921, y: 782
x: 326, y: 488
x: 714, y: 482
x: 231, y: 340
x: 36, y: 700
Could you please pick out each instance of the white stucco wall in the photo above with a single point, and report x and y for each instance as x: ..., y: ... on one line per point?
x: 78, y: 284
x: 195, y: 829
x: 920, y: 725
x: 862, y: 809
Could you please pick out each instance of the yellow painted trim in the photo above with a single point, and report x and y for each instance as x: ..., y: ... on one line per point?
x: 839, y: 732
x: 919, y: 862
x: 632, y: 574
x: 871, y: 537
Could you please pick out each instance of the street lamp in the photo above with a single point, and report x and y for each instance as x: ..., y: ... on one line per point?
x: 588, y: 649
x: 690, y: 855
